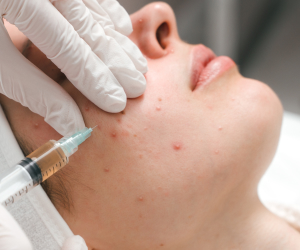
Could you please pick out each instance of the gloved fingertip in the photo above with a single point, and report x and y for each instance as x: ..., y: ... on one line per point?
x: 126, y: 30
x: 145, y: 69
x: 138, y: 89
x: 116, y: 106
x: 75, y: 243
x: 67, y: 120
x: 140, y: 62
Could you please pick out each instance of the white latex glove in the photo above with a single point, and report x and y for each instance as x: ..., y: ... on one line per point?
x: 12, y: 236
x: 75, y: 243
x: 88, y: 41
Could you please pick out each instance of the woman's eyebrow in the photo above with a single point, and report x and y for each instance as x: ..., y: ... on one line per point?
x: 26, y: 47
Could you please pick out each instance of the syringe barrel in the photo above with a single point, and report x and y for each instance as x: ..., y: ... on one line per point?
x: 49, y: 158
x: 39, y: 166
x: 14, y: 183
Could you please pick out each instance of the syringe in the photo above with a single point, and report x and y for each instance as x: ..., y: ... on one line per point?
x: 39, y: 166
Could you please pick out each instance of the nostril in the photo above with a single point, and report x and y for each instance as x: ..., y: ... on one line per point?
x: 162, y: 34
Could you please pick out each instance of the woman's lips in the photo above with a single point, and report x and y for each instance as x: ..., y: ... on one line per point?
x: 206, y: 66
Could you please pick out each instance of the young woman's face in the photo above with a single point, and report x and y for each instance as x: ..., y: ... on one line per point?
x: 200, y: 136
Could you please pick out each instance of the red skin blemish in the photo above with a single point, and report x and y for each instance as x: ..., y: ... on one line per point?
x: 87, y: 108
x: 217, y: 152
x: 106, y: 170
x: 220, y: 128
x: 141, y: 156
x: 161, y: 245
x: 135, y: 135
x: 158, y: 108
x: 119, y: 120
x: 36, y: 125
x: 141, y: 198
x: 145, y: 128
x: 114, y: 134
x: 159, y: 99
x: 177, y: 146
x: 140, y: 20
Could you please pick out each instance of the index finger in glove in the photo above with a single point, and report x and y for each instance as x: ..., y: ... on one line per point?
x: 106, y: 48
x: 12, y: 237
x: 118, y: 16
x: 42, y: 23
x: 23, y: 82
x: 126, y: 44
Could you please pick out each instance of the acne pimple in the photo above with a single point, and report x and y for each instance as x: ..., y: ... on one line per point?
x: 158, y: 108
x: 119, y: 120
x: 161, y: 244
x: 159, y: 99
x: 145, y: 128
x: 141, y: 156
x: 106, y: 170
x: 220, y: 128
x: 87, y: 108
x: 113, y: 134
x: 135, y: 135
x: 172, y: 51
x: 217, y: 152
x: 140, y: 20
x: 177, y: 146
x: 141, y: 198
x: 36, y: 125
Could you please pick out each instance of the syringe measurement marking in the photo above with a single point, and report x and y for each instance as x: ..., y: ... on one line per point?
x: 53, y: 169
x: 18, y: 195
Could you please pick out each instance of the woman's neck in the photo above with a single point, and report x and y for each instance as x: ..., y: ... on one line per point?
x: 247, y: 226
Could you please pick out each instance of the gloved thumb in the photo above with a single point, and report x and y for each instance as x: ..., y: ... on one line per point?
x: 75, y: 243
x: 12, y: 236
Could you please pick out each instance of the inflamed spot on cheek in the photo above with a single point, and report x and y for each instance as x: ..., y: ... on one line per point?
x: 177, y: 146
x: 158, y: 106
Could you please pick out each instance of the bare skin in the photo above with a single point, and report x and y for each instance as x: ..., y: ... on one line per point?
x: 179, y: 168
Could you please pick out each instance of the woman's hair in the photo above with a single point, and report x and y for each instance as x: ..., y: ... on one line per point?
x: 56, y: 187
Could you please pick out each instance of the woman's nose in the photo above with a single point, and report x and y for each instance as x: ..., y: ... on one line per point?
x: 154, y: 29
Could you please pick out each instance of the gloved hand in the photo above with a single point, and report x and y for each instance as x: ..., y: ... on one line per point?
x: 88, y: 41
x: 12, y: 236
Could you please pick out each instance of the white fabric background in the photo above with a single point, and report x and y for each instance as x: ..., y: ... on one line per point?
x: 281, y: 183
